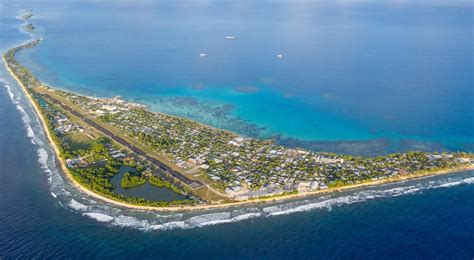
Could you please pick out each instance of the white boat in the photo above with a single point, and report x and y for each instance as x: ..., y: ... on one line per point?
x: 280, y: 56
x: 230, y: 37
x: 203, y: 55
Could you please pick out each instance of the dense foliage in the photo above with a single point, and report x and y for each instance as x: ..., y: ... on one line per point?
x: 130, y: 180
x: 155, y: 180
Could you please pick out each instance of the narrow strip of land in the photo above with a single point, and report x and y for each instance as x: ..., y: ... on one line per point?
x: 339, y: 173
x: 194, y: 184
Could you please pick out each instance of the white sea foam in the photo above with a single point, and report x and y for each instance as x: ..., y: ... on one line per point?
x: 99, y: 217
x: 271, y: 209
x: 129, y: 221
x: 153, y: 221
x: 395, y: 192
x: 362, y: 196
x: 276, y: 211
x: 203, y: 221
x: 101, y: 212
x: 219, y: 218
x: 26, y: 121
x: 22, y: 27
x: 168, y: 226
x: 63, y: 192
x: 43, y: 159
x: 196, y: 220
x: 456, y: 183
x: 246, y: 216
x: 213, y: 222
x: 9, y: 91
x: 172, y: 216
x: 77, y: 205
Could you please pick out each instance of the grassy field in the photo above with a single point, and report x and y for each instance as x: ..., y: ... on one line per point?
x: 78, y: 141
x: 203, y: 192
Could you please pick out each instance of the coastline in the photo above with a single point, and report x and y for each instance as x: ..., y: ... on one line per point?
x: 77, y: 185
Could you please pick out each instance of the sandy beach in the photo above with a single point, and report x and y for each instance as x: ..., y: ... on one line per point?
x: 69, y: 177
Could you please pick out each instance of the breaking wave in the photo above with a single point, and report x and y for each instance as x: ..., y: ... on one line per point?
x: 153, y: 222
x: 365, y: 195
x: 15, y: 98
x: 204, y: 220
x: 77, y: 206
x: 22, y: 27
x: 72, y: 199
x: 99, y: 217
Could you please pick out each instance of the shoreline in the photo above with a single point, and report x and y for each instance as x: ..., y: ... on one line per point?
x: 262, y: 200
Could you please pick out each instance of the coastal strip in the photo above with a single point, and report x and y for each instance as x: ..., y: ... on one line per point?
x: 70, y: 178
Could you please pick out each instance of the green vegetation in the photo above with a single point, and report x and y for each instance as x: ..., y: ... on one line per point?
x: 274, y: 196
x: 95, y: 178
x: 237, y: 165
x: 23, y: 74
x: 337, y: 184
x: 231, y: 163
x: 98, y: 180
x: 155, y: 180
x: 78, y: 142
x: 91, y: 161
x: 29, y: 27
x: 130, y: 181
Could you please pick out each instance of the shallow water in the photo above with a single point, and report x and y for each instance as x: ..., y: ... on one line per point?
x: 396, y: 75
x: 44, y: 216
x: 146, y: 190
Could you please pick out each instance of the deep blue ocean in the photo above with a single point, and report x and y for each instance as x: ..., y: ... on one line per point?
x: 364, y: 77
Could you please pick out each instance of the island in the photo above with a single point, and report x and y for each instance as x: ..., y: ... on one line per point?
x: 29, y: 27
x: 27, y: 14
x: 95, y: 139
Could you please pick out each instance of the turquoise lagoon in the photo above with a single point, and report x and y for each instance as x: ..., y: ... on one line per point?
x: 362, y: 78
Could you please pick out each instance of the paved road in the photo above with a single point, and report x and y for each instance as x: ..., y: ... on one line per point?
x: 163, y: 167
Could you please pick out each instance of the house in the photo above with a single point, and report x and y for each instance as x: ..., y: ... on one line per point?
x: 403, y: 172
x: 314, y: 185
x: 323, y: 186
x: 73, y: 162
x: 303, y: 186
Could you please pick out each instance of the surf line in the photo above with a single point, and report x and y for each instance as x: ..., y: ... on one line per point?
x: 67, y: 173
